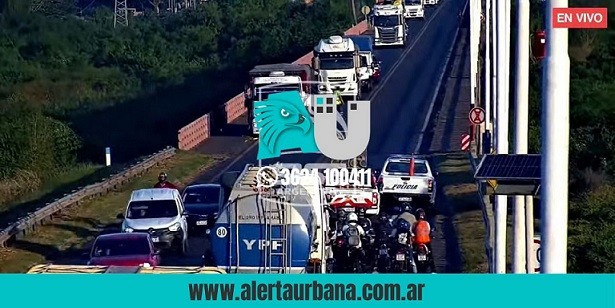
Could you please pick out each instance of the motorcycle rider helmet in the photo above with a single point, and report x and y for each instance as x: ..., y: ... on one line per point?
x: 420, y: 214
x: 396, y: 210
x: 365, y: 223
x: 383, y: 218
x: 406, y: 207
x: 162, y: 177
x: 352, y: 217
x: 403, y: 226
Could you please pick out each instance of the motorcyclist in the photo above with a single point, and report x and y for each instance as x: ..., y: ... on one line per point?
x: 422, y: 234
x: 352, y: 222
x: 403, y: 235
x: 163, y: 183
x: 407, y: 216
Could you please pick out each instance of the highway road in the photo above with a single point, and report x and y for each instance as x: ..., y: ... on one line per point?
x: 402, y: 103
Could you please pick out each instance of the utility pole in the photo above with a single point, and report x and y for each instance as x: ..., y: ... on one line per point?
x: 501, y: 205
x: 522, y: 66
x: 487, y: 85
x: 555, y: 142
x: 494, y: 70
x: 121, y: 13
x: 473, y: 54
x: 354, y: 11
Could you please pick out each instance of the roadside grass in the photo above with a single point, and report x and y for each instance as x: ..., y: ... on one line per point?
x: 39, y: 192
x: 457, y: 182
x: 68, y: 235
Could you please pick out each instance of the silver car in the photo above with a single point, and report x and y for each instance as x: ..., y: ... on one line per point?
x: 203, y: 202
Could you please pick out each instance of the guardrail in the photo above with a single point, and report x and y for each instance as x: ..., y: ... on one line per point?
x: 196, y: 132
x: 486, y: 216
x: 27, y: 224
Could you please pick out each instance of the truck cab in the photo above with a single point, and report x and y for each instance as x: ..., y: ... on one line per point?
x: 369, y: 67
x: 414, y: 9
x: 390, y: 28
x: 265, y: 80
x: 336, y: 62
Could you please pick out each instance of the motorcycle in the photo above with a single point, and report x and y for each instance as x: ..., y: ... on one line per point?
x: 422, y: 258
x: 403, y: 258
x: 383, y: 261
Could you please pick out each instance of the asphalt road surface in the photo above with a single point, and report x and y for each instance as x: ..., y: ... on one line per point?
x: 402, y: 102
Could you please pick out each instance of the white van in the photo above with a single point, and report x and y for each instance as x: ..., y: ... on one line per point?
x: 161, y: 213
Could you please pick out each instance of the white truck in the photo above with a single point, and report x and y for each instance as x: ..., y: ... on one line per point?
x: 336, y: 62
x: 369, y: 68
x: 274, y: 78
x: 414, y: 9
x: 389, y: 24
x: 407, y: 179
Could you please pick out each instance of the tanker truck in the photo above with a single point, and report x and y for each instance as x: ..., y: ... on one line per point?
x: 279, y: 229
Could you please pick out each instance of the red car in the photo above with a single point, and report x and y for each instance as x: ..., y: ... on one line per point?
x: 124, y: 249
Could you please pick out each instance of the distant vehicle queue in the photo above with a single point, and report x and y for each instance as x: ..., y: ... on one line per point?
x: 306, y: 227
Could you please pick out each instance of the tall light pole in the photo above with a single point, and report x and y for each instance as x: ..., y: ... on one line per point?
x: 473, y: 53
x: 494, y: 69
x: 555, y: 141
x: 522, y: 66
x: 487, y: 84
x: 501, y: 204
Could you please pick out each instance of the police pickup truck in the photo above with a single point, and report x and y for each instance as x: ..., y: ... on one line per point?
x: 407, y: 179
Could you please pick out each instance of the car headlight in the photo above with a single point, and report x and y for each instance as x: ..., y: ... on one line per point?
x: 128, y: 229
x: 174, y: 227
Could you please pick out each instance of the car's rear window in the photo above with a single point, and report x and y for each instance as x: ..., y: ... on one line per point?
x: 404, y: 167
x: 209, y: 195
x: 121, y: 247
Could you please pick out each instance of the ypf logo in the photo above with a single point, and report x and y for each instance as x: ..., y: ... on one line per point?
x: 285, y: 124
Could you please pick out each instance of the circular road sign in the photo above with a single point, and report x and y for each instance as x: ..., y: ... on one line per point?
x: 365, y: 10
x: 477, y: 115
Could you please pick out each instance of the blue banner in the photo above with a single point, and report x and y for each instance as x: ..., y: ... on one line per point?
x: 174, y: 291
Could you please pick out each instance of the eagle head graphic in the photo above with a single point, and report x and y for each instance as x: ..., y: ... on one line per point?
x: 283, y: 114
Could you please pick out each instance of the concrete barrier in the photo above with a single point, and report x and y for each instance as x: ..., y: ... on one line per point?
x: 192, y: 134
x: 196, y: 132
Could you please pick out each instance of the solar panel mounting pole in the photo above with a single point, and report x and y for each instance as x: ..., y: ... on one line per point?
x: 555, y: 142
x: 501, y: 202
x: 521, y: 128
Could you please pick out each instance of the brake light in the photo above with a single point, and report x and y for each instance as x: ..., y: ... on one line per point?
x: 375, y: 198
x: 340, y: 242
x: 430, y: 185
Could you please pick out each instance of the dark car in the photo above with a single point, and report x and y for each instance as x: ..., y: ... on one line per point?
x: 124, y: 249
x: 203, y: 202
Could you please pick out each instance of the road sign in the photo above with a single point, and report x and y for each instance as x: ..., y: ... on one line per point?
x: 365, y: 10
x: 465, y: 142
x: 477, y: 115
x: 536, y: 249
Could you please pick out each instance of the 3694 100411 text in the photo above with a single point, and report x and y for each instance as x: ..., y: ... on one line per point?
x: 329, y: 176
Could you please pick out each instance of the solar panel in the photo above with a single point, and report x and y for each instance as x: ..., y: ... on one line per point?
x: 509, y: 167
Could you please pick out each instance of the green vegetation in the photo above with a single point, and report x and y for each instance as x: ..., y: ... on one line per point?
x: 70, y: 86
x: 460, y: 194
x: 66, y: 237
x: 592, y: 140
